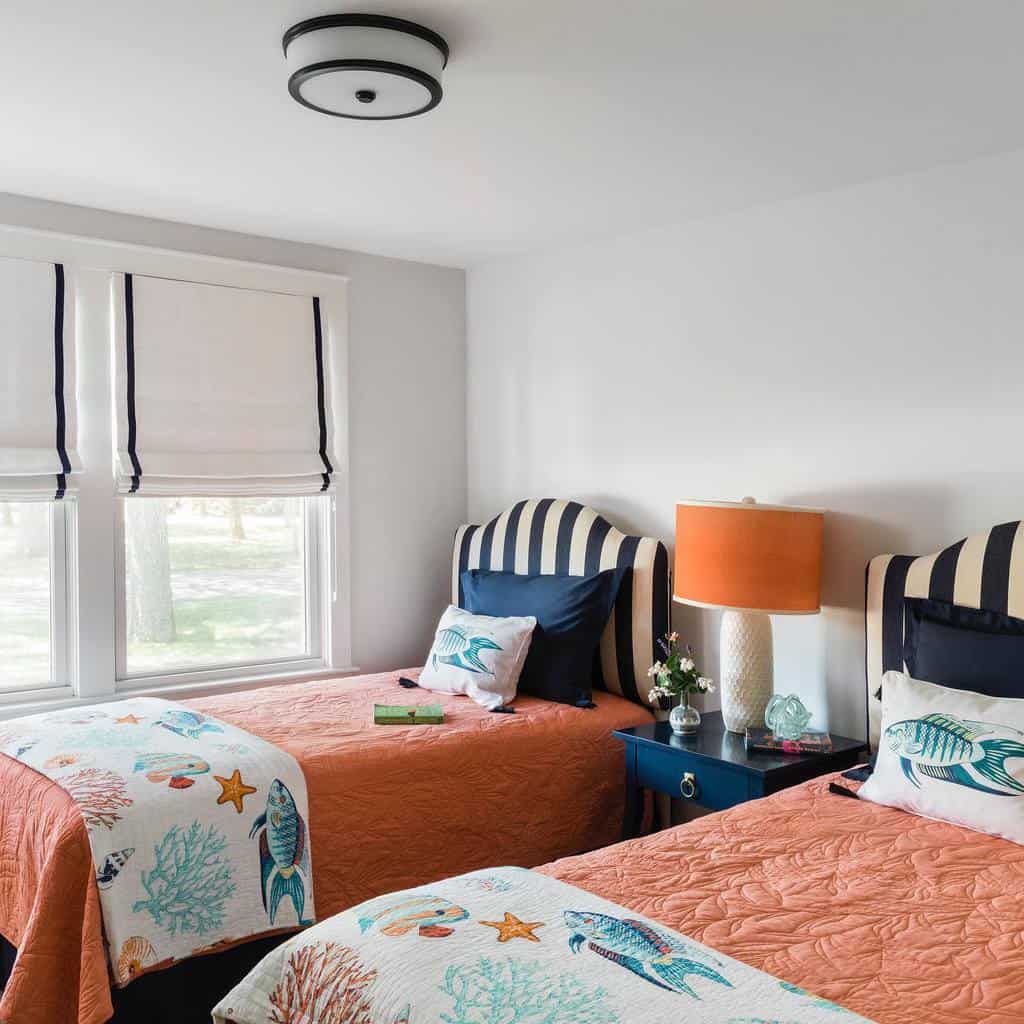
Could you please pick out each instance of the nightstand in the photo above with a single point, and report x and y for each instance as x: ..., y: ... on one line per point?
x: 714, y: 769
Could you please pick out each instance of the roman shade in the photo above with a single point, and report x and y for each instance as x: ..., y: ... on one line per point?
x: 219, y: 391
x: 37, y: 382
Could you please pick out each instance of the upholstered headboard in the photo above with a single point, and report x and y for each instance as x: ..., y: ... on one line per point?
x: 982, y: 571
x: 564, y: 538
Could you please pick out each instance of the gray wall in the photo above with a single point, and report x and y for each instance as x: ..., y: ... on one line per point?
x: 859, y: 350
x: 406, y: 413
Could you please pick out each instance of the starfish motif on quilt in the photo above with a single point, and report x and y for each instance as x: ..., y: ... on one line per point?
x: 127, y: 720
x: 513, y: 928
x: 233, y: 790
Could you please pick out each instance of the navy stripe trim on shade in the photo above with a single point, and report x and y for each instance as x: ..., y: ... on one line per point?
x: 58, y: 379
x: 624, y: 622
x: 995, y: 568
x: 943, y: 578
x: 508, y: 555
x: 563, y: 542
x: 540, y: 515
x: 893, y: 590
x: 467, y: 539
x: 321, y: 407
x: 129, y: 351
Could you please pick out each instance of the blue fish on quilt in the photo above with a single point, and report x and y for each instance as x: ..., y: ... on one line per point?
x: 956, y: 750
x: 454, y: 646
x: 661, y: 959
x: 174, y: 769
x: 112, y: 865
x: 284, y: 852
x: 189, y: 724
x: 430, y: 916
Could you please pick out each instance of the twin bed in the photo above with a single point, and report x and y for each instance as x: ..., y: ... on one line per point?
x: 890, y: 915
x: 389, y: 807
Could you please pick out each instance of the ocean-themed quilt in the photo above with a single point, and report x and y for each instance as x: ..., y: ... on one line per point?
x: 508, y: 946
x: 199, y: 830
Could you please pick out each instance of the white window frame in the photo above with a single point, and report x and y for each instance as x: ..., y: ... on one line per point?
x: 63, y: 562
x: 317, y: 551
x: 90, y: 537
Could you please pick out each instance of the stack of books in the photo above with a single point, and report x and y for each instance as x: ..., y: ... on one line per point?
x: 408, y: 714
x: 811, y: 742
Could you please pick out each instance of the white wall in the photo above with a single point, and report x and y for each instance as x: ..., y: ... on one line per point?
x: 406, y: 425
x: 862, y: 350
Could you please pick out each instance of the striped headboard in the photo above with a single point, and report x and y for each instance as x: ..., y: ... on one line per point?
x: 564, y: 538
x: 982, y: 571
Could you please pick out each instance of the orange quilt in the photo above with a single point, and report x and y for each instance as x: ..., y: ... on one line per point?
x: 899, y: 918
x: 390, y: 807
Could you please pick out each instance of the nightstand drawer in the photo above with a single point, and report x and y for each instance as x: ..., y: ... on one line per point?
x: 708, y: 783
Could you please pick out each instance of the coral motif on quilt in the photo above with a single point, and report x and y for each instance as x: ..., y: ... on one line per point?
x: 519, y: 948
x: 198, y: 829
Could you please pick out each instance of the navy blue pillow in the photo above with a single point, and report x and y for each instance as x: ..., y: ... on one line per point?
x: 571, y: 613
x: 964, y: 648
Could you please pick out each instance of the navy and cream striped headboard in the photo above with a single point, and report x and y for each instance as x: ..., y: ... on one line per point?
x: 982, y: 571
x: 564, y: 538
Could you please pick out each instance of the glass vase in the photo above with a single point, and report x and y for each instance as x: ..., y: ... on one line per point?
x: 684, y: 719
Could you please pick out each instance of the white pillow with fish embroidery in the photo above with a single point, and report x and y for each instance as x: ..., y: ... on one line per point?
x: 479, y: 655
x: 952, y: 755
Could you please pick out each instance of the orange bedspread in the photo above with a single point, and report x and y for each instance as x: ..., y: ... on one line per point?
x: 389, y: 807
x: 902, y: 919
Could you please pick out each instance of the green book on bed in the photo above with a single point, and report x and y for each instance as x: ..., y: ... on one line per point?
x: 407, y: 714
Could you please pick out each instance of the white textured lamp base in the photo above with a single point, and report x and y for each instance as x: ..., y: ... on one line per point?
x: 746, y: 673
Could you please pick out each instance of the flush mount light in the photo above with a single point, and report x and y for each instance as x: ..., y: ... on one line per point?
x: 365, y: 66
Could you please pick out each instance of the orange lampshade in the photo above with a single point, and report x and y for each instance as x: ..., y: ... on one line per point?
x: 748, y: 556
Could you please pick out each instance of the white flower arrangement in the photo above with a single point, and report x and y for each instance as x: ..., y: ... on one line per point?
x: 677, y: 675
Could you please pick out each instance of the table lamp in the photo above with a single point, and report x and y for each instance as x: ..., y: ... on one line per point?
x: 752, y: 561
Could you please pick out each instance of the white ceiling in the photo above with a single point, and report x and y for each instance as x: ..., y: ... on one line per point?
x: 562, y: 119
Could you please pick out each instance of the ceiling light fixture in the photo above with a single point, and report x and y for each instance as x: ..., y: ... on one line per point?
x: 365, y: 66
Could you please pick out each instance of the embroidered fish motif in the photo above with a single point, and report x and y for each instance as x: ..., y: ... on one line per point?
x: 430, y: 916
x: 661, y: 959
x: 284, y: 851
x: 171, y: 768
x: 112, y: 865
x: 189, y: 724
x: 453, y: 645
x: 956, y: 750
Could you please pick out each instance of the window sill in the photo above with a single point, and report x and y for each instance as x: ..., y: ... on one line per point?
x: 205, y: 688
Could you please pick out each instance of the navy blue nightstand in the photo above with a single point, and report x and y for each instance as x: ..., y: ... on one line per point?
x: 714, y: 769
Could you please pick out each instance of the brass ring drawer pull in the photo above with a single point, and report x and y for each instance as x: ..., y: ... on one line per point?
x: 688, y: 786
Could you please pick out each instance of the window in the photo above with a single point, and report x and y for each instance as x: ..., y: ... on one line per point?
x: 33, y: 596
x: 195, y: 537
x: 216, y: 583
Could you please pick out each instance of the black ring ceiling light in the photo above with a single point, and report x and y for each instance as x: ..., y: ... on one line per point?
x: 365, y: 66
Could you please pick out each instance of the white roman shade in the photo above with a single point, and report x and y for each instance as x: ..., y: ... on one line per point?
x: 219, y: 390
x: 37, y: 382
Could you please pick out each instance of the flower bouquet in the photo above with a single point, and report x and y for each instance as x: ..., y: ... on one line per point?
x: 675, y: 679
